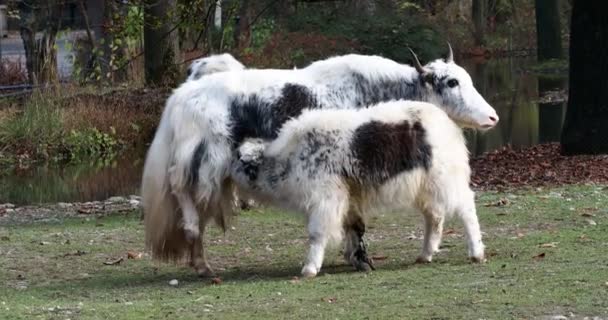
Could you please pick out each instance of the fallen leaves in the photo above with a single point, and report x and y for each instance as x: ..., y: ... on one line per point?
x: 216, y: 281
x: 539, y: 165
x: 294, y: 280
x: 114, y: 261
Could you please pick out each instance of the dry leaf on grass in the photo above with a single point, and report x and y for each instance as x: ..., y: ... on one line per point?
x: 75, y: 253
x: 539, y: 256
x: 549, y: 245
x: 449, y: 231
x: 500, y: 203
x: 329, y: 299
x: 591, y: 222
x: 379, y: 257
x: 134, y: 255
x: 294, y: 280
x: 113, y: 262
x: 216, y: 281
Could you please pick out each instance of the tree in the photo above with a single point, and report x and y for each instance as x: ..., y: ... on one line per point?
x: 40, y: 54
x: 241, y: 29
x: 586, y: 125
x: 161, y: 45
x: 479, y: 21
x: 548, y: 30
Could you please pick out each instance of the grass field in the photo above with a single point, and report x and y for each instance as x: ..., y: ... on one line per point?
x: 547, y: 256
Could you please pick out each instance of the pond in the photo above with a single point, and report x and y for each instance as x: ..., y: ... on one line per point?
x: 507, y: 86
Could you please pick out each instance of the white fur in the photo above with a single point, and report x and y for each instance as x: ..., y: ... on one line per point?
x: 212, y: 64
x: 199, y: 112
x: 322, y: 192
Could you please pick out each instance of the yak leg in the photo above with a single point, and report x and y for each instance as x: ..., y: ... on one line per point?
x: 198, y: 256
x: 467, y: 212
x: 190, y: 215
x: 355, y: 249
x: 433, y: 229
x: 324, y: 224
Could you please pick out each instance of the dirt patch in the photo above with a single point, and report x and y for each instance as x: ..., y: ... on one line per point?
x: 11, y: 214
x: 540, y: 165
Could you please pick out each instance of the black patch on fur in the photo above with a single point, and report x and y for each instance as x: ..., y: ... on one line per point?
x: 197, y: 158
x: 250, y: 169
x: 253, y: 117
x: 373, y: 92
x: 383, y: 150
x: 318, y: 148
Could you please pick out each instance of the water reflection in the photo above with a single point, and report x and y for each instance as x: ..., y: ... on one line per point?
x: 86, y: 181
x: 514, y: 93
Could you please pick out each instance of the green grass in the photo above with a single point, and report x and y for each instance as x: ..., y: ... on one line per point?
x: 39, y: 124
x: 258, y: 260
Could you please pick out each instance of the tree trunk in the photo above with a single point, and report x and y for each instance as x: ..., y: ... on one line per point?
x: 479, y: 21
x: 161, y: 45
x: 585, y: 128
x: 40, y: 54
x: 241, y: 32
x: 548, y: 30
x: 217, y: 21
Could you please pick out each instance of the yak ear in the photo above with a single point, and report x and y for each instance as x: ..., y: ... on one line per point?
x: 429, y: 77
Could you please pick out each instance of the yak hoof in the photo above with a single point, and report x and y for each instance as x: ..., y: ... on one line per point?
x: 478, y: 259
x: 423, y: 260
x: 362, y: 262
x: 204, y: 271
x: 309, y: 271
x: 364, y: 266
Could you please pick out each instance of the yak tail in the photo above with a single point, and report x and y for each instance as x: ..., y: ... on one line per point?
x: 167, y: 170
x: 164, y: 235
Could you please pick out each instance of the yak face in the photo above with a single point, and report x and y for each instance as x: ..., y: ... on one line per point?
x: 451, y: 87
x: 213, y: 64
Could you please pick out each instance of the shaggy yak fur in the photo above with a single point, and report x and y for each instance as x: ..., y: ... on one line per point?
x: 337, y: 166
x: 186, y: 181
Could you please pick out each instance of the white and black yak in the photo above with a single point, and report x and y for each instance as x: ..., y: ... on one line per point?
x: 186, y: 181
x: 338, y: 166
x: 213, y: 64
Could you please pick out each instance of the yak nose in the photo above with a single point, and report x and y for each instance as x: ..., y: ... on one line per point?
x: 491, y: 123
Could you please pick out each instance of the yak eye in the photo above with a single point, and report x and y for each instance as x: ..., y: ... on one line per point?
x: 452, y: 83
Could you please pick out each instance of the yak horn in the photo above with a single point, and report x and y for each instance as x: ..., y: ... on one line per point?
x: 450, y: 57
x: 417, y: 64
